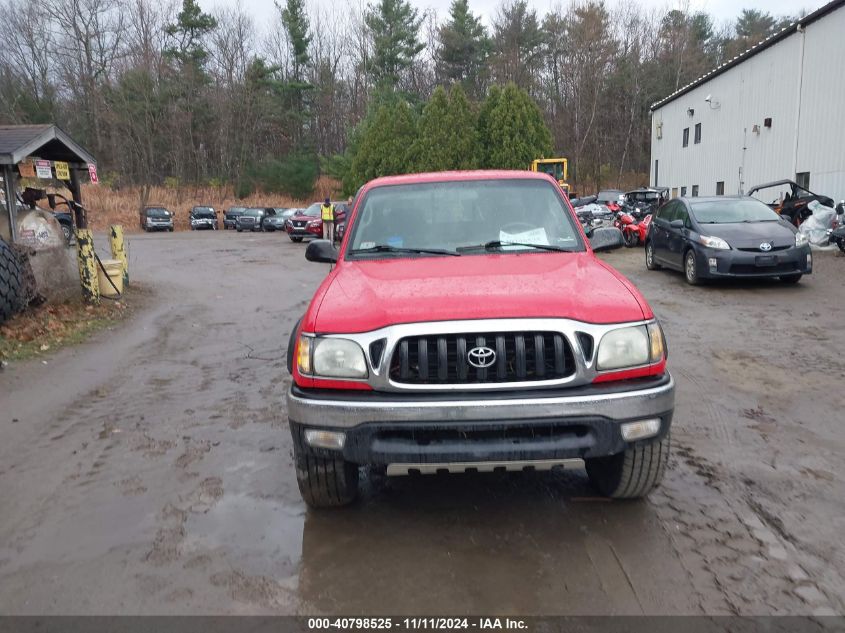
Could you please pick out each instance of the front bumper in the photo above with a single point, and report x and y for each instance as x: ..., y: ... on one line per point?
x: 391, y: 428
x: 305, y: 231
x: 737, y: 263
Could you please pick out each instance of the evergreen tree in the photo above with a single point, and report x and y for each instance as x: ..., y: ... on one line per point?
x: 295, y: 21
x: 394, y: 27
x: 513, y: 131
x: 462, y: 124
x: 191, y: 27
x: 517, y: 44
x: 430, y: 152
x: 384, y: 143
x: 295, y: 88
x: 463, y: 48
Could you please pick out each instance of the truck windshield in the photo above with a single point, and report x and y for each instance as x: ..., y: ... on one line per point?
x: 468, y: 216
x: 204, y: 214
x: 157, y: 213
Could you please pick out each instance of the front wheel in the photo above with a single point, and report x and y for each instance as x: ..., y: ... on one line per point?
x: 631, y: 474
x: 295, y: 238
x: 240, y: 230
x: 790, y: 279
x: 691, y: 269
x: 324, y: 482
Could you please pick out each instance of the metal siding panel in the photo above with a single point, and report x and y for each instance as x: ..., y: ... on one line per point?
x: 821, y: 133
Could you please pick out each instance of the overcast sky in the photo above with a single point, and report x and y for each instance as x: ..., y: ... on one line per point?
x: 264, y: 11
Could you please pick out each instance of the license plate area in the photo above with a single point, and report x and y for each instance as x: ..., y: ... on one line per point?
x: 766, y: 260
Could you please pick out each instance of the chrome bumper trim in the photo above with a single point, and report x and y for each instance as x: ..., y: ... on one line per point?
x: 395, y: 470
x: 344, y: 414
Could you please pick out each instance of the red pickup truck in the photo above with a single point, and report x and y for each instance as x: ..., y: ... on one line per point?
x: 468, y: 326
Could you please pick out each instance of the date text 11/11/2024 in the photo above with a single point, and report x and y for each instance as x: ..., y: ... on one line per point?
x: 417, y: 624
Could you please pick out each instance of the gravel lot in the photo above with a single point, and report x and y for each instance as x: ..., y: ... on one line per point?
x: 149, y: 470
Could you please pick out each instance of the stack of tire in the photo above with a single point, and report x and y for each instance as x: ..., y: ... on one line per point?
x: 11, y: 286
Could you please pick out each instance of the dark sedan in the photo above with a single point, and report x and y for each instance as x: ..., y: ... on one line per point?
x: 709, y: 238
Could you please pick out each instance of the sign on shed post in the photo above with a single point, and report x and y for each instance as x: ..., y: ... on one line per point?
x: 26, y: 169
x: 62, y: 170
x: 92, y: 174
x: 44, y: 169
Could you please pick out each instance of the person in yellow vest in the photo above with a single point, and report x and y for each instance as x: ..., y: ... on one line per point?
x: 327, y: 213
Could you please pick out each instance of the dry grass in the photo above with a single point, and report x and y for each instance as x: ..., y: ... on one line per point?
x: 107, y: 206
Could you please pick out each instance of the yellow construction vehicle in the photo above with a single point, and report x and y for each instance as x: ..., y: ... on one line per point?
x: 554, y: 167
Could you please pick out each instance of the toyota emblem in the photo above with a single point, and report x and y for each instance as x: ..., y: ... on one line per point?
x: 481, y: 357
x: 766, y: 246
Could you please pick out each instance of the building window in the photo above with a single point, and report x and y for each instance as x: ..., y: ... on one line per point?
x: 695, y: 191
x: 674, y: 192
x: 720, y: 188
x: 686, y: 136
x: 683, y: 191
x: 803, y: 179
x: 656, y: 171
x: 697, y: 133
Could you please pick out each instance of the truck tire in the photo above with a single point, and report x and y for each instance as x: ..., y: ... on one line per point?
x: 324, y: 482
x: 631, y: 474
x: 11, y: 285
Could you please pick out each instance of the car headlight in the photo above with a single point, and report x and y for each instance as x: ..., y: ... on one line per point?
x: 801, y: 239
x: 331, y: 358
x: 713, y: 242
x: 631, y: 347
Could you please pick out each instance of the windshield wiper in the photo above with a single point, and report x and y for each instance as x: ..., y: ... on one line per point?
x: 488, y: 246
x: 387, y: 248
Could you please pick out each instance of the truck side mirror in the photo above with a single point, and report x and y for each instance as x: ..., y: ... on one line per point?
x: 322, y: 251
x: 605, y: 239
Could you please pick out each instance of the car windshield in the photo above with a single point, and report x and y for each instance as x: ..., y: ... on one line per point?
x: 732, y: 211
x: 156, y: 212
x: 468, y: 216
x: 610, y: 195
x: 313, y: 210
x: 203, y: 213
x: 235, y: 211
x: 254, y: 212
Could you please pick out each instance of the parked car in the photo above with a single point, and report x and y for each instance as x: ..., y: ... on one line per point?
x: 253, y: 219
x: 724, y: 236
x: 231, y: 216
x: 456, y: 334
x: 275, y: 222
x: 156, y: 218
x: 341, y: 212
x: 790, y: 200
x: 306, y: 223
x: 203, y: 218
x: 66, y: 222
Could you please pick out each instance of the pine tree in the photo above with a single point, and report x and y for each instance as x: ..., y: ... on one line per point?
x: 191, y: 26
x: 462, y: 125
x: 394, y: 26
x: 295, y: 21
x: 512, y: 130
x: 463, y: 48
x: 430, y: 152
x: 384, y: 143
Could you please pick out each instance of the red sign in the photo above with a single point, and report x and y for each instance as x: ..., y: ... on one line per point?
x: 44, y: 169
x: 92, y: 173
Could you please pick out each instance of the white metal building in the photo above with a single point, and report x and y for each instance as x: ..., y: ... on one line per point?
x: 777, y: 111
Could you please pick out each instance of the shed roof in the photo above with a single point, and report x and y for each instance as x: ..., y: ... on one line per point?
x: 45, y: 141
x: 766, y: 43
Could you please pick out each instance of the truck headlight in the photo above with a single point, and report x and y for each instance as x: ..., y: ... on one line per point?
x: 331, y: 358
x: 801, y: 239
x: 630, y: 347
x: 713, y: 242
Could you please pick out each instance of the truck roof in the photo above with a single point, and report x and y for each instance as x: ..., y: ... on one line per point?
x: 451, y: 176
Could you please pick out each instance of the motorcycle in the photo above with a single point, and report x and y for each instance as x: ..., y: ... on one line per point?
x: 634, y: 223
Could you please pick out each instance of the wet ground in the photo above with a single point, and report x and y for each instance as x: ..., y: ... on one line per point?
x: 149, y: 471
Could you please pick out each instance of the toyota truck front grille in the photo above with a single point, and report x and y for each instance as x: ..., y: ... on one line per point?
x: 494, y: 357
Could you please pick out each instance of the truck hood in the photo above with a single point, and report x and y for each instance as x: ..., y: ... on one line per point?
x: 361, y: 296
